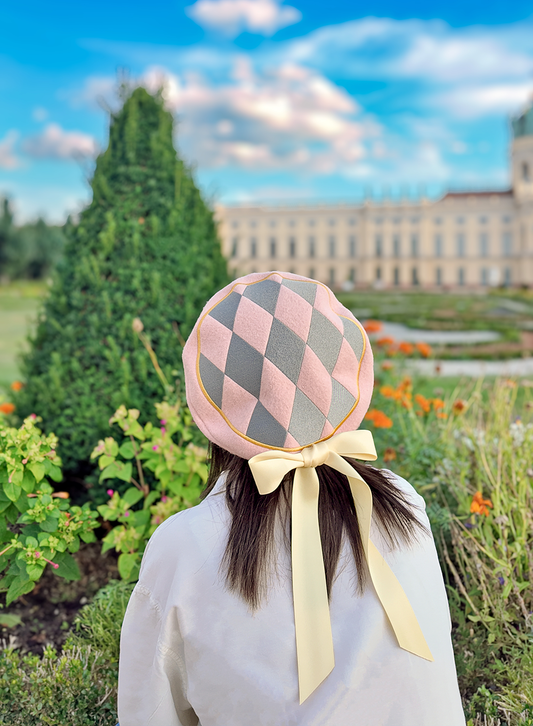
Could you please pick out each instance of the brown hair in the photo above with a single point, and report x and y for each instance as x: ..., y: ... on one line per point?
x: 251, y: 536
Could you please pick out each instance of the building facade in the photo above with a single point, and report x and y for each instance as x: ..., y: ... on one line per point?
x: 462, y: 240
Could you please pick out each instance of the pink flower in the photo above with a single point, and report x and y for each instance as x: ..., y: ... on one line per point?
x: 33, y: 415
x: 110, y: 492
x: 164, y: 499
x: 155, y: 447
x: 163, y: 421
x: 126, y: 514
x: 163, y: 430
x: 24, y: 461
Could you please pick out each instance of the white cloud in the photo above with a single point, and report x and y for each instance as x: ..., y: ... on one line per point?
x: 39, y: 114
x: 56, y: 143
x: 8, y: 159
x: 471, y: 101
x: 231, y: 17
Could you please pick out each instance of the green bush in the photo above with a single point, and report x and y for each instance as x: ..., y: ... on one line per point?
x: 146, y: 247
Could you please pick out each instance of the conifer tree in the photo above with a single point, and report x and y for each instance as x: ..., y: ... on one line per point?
x: 145, y: 247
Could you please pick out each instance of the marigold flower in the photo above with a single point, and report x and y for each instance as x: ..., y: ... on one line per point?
x: 441, y: 414
x: 406, y: 348
x: 387, y: 365
x: 385, y: 341
x: 389, y: 454
x: 387, y: 391
x: 7, y: 408
x: 437, y: 403
x: 423, y: 402
x: 372, y: 326
x: 17, y: 385
x: 424, y: 349
x: 479, y: 505
x: 379, y: 419
x: 458, y: 406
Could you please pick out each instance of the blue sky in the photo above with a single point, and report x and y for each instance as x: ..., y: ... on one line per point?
x: 274, y: 100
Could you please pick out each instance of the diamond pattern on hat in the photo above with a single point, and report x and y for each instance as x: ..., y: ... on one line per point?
x: 285, y: 349
x: 265, y: 428
x: 307, y: 420
x: 226, y: 309
x: 324, y: 340
x: 264, y: 293
x: 244, y: 365
x: 277, y: 393
x: 279, y: 362
x: 252, y: 324
x: 294, y: 312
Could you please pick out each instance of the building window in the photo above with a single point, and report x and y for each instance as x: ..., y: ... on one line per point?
x: 484, y: 276
x: 332, y: 247
x: 415, y: 220
x: 312, y: 273
x: 253, y: 223
x: 311, y: 246
x: 396, y: 275
x: 414, y: 275
x: 438, y: 245
x: 331, y: 222
x: 378, y: 220
x: 414, y: 245
x: 507, y: 276
x: 507, y: 244
x: 352, y: 221
x: 506, y: 220
x: 437, y: 220
x: 351, y: 277
x: 291, y: 222
x: 351, y: 246
x: 378, y: 273
x: 460, y: 220
x: 332, y: 277
x: 253, y: 247
x: 461, y: 276
x: 483, y: 220
x: 234, y: 246
x: 311, y: 222
x: 525, y: 171
x: 272, y: 247
x: 460, y: 245
x: 379, y: 245
x: 483, y: 244
x: 396, y: 220
x: 438, y: 275
x: 396, y: 245
x: 235, y: 224
x: 272, y: 222
x: 292, y: 247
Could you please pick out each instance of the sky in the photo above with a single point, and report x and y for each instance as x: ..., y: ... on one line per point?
x: 291, y: 102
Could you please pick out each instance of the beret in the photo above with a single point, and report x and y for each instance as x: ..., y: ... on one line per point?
x: 276, y: 362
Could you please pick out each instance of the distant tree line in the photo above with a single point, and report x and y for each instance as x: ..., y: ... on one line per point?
x: 30, y: 251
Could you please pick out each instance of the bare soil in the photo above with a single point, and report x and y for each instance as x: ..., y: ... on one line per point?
x: 48, y: 611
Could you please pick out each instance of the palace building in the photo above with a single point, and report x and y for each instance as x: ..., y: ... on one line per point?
x: 462, y: 240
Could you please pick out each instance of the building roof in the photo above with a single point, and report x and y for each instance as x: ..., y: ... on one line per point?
x: 523, y: 124
x: 498, y: 193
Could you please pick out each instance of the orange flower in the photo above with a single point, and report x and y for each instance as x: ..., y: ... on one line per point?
x: 479, y: 505
x: 379, y: 419
x: 406, y: 348
x: 387, y: 365
x: 458, y: 406
x: 423, y: 402
x: 437, y: 403
x: 389, y: 454
x: 405, y: 384
x: 385, y: 341
x: 17, y: 385
x: 424, y: 349
x: 387, y: 391
x: 6, y: 408
x: 441, y: 414
x: 372, y: 326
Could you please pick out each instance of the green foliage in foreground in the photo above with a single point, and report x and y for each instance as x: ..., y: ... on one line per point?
x: 77, y: 687
x: 146, y: 247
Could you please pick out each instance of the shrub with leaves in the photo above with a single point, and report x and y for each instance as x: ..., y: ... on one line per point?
x: 147, y: 247
x: 178, y: 470
x: 37, y: 525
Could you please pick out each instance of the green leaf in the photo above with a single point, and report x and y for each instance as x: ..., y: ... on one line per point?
x: 68, y: 567
x: 37, y: 469
x: 31, y: 542
x: 150, y: 499
x: 53, y: 471
x: 74, y: 545
x: 7, y: 620
x: 127, y: 565
x: 105, y: 460
x: 507, y: 589
x: 124, y: 472
x: 34, y: 571
x: 12, y: 490
x: 132, y: 496
x: 50, y: 523
x: 28, y: 481
x: 126, y: 450
x: 20, y: 586
x: 88, y: 536
x: 110, y: 472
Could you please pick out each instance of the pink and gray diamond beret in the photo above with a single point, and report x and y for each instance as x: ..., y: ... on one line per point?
x: 276, y: 362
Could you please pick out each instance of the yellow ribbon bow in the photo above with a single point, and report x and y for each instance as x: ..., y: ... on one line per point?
x: 314, y: 641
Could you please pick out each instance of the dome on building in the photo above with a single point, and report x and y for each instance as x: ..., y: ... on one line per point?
x: 523, y: 124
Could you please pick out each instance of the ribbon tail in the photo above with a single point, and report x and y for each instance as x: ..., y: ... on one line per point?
x: 314, y: 640
x: 389, y: 591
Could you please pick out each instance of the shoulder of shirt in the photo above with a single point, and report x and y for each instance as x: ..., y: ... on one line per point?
x: 406, y: 488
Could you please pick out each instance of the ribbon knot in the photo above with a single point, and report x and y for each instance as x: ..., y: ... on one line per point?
x: 315, y: 455
x: 314, y: 641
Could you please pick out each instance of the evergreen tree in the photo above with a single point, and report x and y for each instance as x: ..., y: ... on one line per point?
x: 146, y: 247
x: 6, y: 235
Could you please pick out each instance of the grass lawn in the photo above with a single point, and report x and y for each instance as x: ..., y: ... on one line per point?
x: 19, y: 302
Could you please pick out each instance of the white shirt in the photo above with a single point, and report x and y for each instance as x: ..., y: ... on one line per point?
x: 192, y: 654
